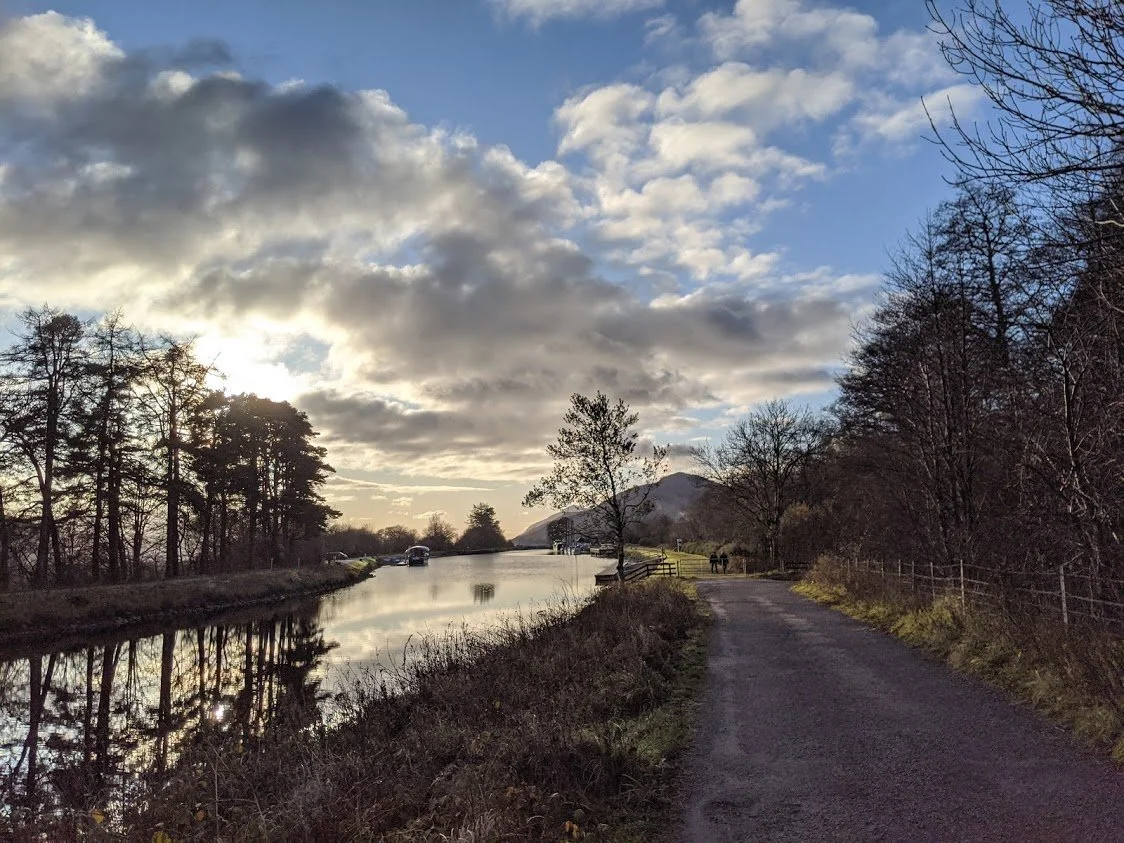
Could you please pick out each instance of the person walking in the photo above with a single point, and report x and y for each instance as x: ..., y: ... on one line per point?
x: 725, y: 561
x: 713, y: 562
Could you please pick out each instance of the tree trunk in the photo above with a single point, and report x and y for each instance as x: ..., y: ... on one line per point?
x: 172, y: 542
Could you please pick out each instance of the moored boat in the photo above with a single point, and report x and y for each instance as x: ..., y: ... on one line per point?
x: 417, y: 555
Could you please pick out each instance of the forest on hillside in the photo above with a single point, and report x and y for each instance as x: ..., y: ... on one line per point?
x: 118, y: 462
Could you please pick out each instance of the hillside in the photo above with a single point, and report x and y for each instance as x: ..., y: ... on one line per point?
x: 671, y: 497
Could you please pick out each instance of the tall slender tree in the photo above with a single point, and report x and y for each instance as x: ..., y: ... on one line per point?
x: 43, y: 371
x: 176, y: 384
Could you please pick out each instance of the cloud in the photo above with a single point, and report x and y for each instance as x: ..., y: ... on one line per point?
x: 434, y: 301
x: 763, y: 99
x: 902, y: 122
x: 538, y: 12
x: 681, y: 168
x: 661, y: 27
x: 47, y: 60
x: 341, y: 481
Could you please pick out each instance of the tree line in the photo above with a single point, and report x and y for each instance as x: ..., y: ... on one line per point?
x: 118, y: 461
x: 482, y: 532
x: 980, y: 421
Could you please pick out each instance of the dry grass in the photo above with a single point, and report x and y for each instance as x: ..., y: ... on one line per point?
x: 1075, y: 675
x: 564, y: 726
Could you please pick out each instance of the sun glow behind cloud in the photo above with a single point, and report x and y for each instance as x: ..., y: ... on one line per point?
x: 432, y: 301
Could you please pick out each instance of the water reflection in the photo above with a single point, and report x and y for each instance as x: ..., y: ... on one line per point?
x: 91, y: 728
x: 87, y: 728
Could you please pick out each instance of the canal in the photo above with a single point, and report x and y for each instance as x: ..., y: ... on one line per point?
x: 86, y: 729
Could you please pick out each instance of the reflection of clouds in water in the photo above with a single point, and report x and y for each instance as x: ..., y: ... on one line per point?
x: 373, y: 621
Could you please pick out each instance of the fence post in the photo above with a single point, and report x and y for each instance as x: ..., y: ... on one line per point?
x: 899, y: 569
x: 913, y: 577
x: 1065, y: 608
x: 882, y: 562
x: 932, y: 581
x: 963, y: 594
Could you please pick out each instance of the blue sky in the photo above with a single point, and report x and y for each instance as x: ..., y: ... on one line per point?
x: 427, y: 223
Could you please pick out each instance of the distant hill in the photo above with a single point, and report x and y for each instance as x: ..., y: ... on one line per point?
x: 674, y: 494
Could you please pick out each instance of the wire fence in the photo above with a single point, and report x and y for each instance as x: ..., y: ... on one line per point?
x: 1071, y: 595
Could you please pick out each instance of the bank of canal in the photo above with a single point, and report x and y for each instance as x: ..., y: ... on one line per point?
x: 52, y: 619
x: 85, y: 728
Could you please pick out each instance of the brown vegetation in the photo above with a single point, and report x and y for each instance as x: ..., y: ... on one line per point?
x: 561, y: 726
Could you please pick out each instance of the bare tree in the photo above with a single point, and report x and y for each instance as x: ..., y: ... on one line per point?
x: 761, y: 461
x: 439, y: 533
x: 1056, y: 85
x: 598, y: 468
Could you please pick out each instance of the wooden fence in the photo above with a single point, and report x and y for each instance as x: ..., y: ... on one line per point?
x: 638, y: 570
x: 1070, y: 594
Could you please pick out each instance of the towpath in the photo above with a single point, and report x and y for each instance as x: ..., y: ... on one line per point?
x: 815, y: 727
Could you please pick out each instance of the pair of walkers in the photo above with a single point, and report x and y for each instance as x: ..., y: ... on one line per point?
x: 716, y: 560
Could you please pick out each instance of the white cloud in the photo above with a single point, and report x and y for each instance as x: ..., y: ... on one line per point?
x: 47, y: 59
x: 903, y: 122
x: 680, y: 168
x: 604, y: 121
x: 661, y: 27
x: 843, y: 37
x: 763, y: 99
x: 538, y: 12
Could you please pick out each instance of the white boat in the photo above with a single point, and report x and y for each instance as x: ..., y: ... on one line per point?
x: 417, y: 555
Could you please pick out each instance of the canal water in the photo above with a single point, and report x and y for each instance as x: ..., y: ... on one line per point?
x: 85, y: 729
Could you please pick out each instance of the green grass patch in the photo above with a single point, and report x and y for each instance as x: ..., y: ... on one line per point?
x: 1074, y: 675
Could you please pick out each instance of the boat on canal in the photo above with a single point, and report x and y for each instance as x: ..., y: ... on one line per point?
x: 417, y: 555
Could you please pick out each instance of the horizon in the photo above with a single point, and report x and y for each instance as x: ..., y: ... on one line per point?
x: 426, y: 225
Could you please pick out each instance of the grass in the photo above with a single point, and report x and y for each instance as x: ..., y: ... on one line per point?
x: 49, y: 615
x: 695, y: 566
x: 1074, y: 675
x: 567, y: 725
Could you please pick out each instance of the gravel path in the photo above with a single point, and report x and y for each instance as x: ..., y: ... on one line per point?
x: 815, y: 727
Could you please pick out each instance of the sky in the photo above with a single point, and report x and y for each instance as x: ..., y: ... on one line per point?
x: 427, y: 224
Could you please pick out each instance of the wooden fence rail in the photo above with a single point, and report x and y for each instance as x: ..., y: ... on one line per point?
x: 656, y: 567
x: 1071, y: 595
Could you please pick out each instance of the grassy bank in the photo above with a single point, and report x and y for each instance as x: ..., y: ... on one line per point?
x: 51, y: 615
x: 696, y: 566
x: 1075, y: 675
x: 565, y: 726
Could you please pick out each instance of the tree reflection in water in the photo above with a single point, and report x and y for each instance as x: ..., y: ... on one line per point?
x: 84, y: 733
x: 483, y: 592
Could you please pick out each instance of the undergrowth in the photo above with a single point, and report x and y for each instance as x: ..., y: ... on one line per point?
x: 563, y: 726
x: 1074, y: 674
